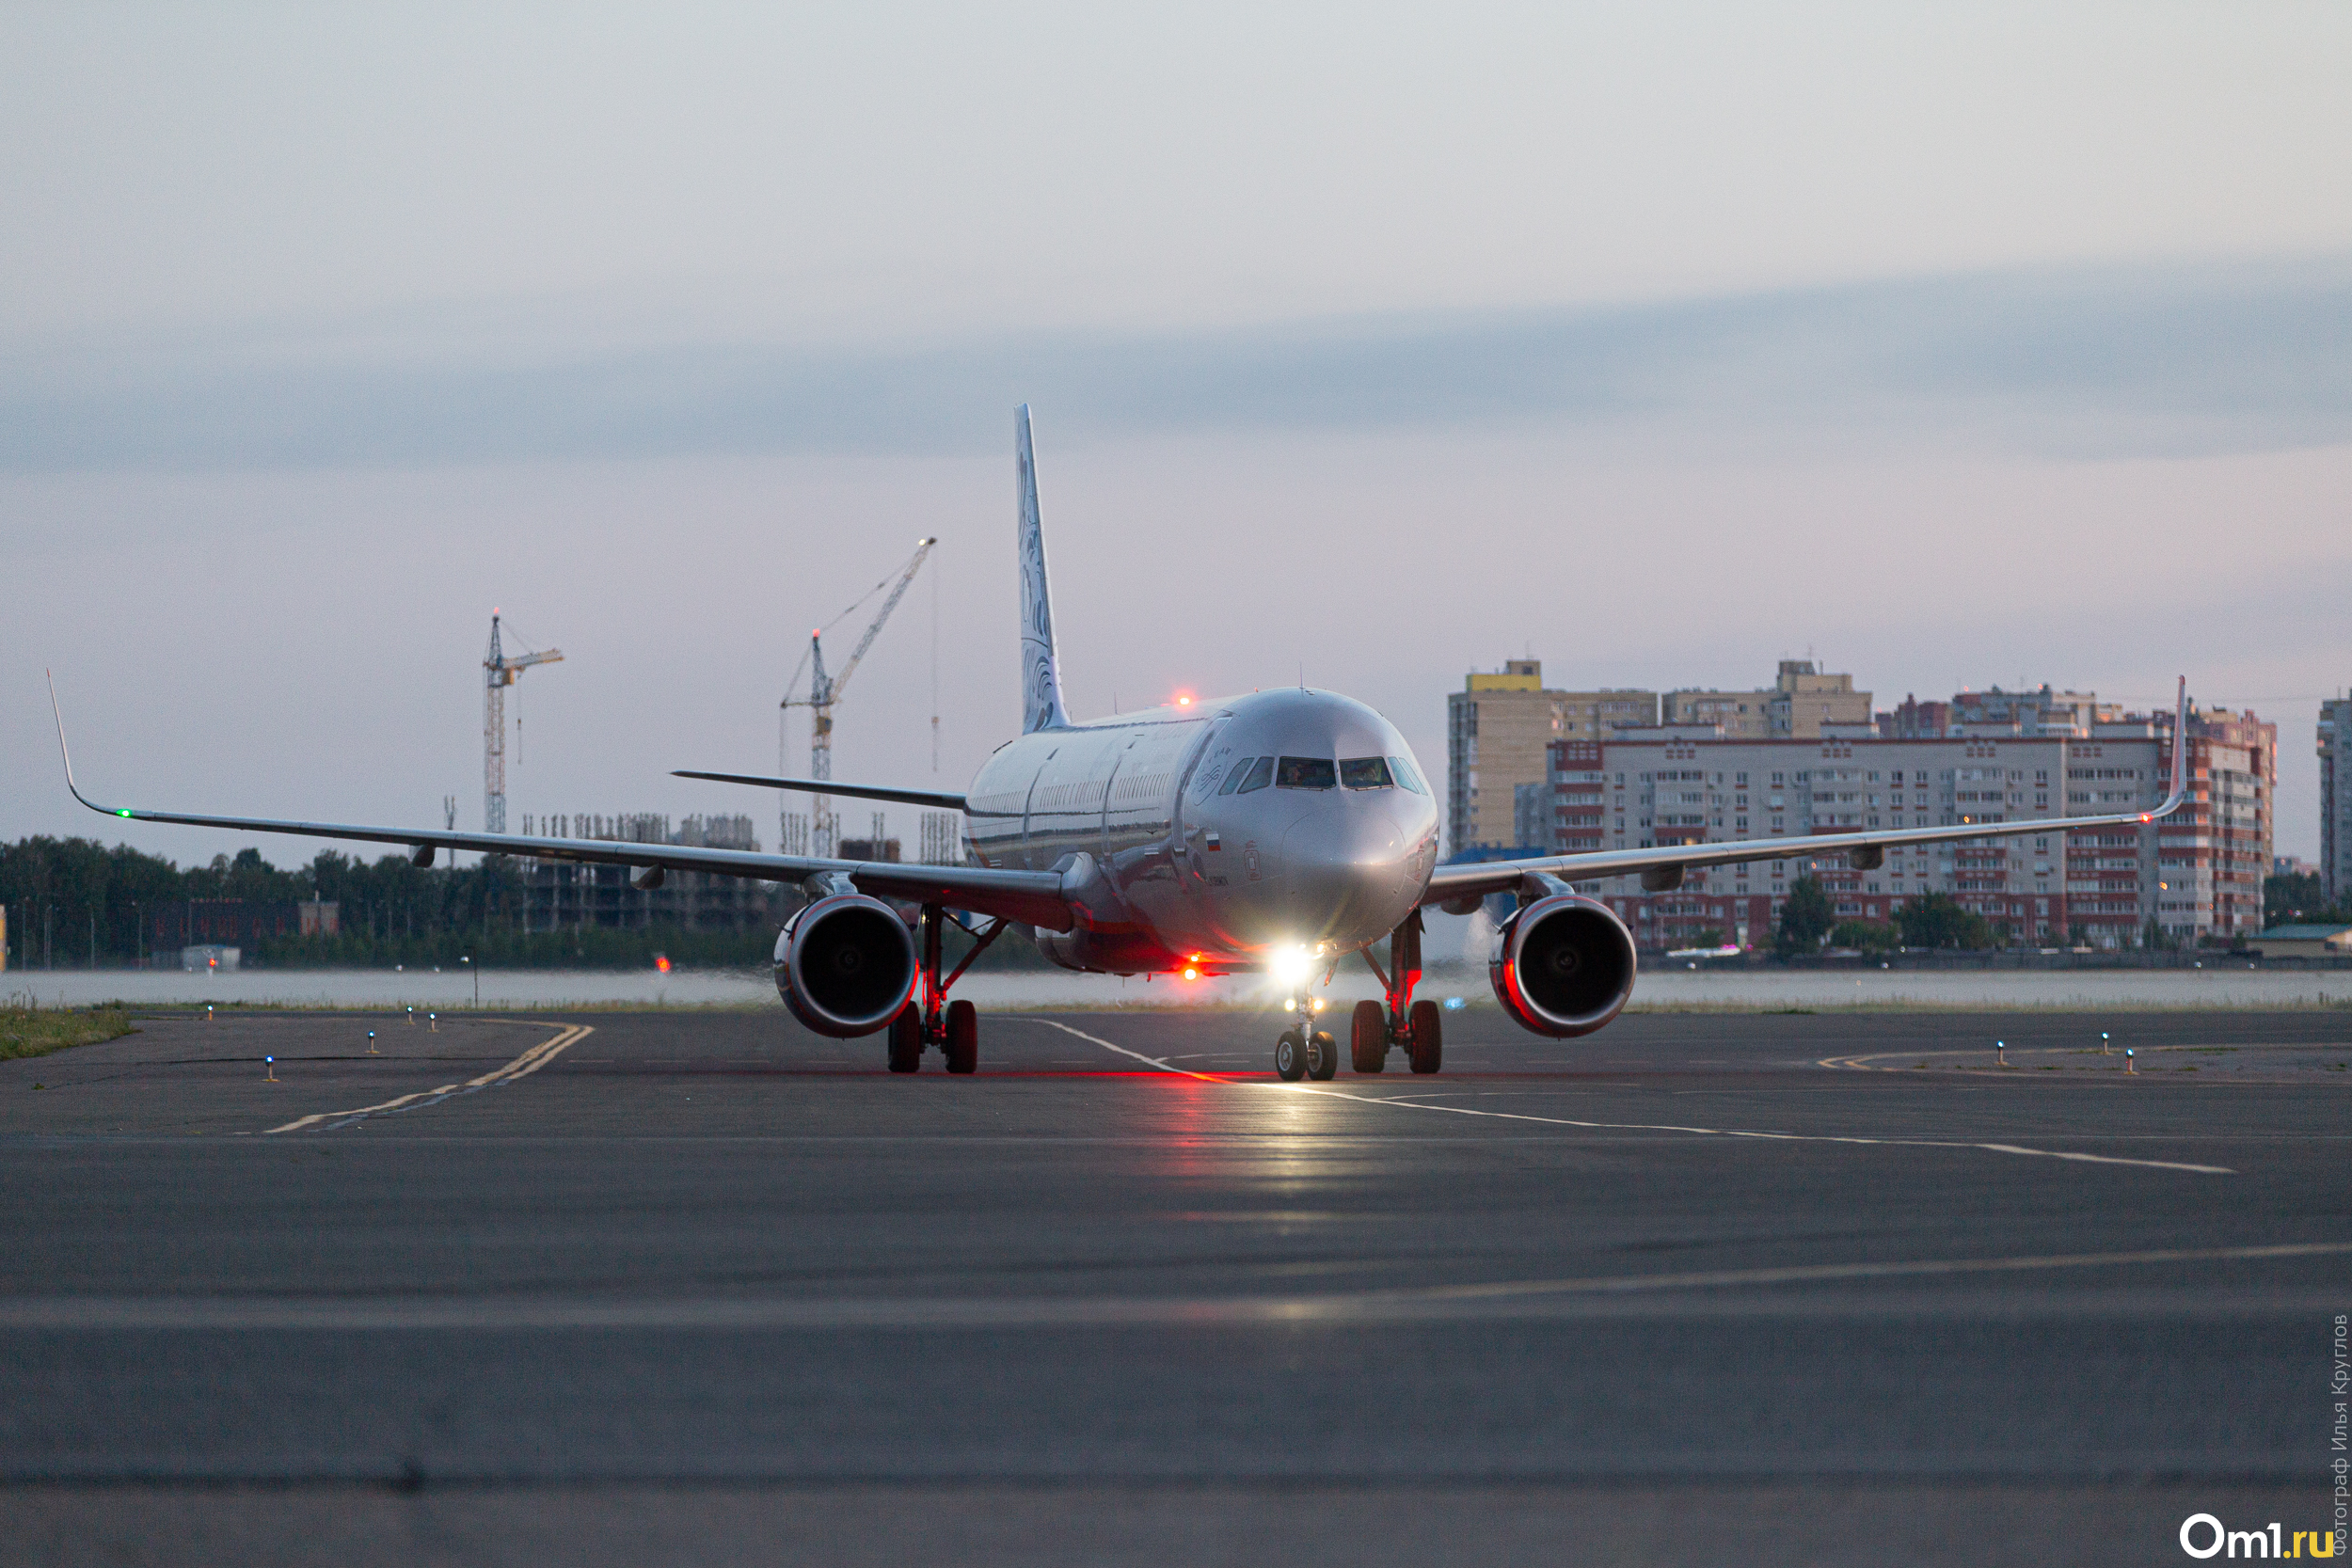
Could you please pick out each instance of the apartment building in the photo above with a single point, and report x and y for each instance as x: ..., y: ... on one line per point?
x: 2041, y: 712
x: 2198, y: 873
x: 2335, y: 800
x: 1797, y: 705
x: 1498, y: 727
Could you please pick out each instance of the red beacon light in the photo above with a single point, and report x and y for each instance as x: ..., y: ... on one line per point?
x: 661, y: 963
x: 1184, y: 698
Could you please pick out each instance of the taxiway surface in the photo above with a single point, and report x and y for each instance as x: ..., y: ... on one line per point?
x: 636, y: 1286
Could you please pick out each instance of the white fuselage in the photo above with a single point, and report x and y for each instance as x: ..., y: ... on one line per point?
x: 1205, y: 853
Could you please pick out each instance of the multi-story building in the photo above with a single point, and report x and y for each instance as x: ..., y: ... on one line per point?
x: 2335, y: 800
x: 1799, y: 702
x: 562, y: 894
x: 2214, y: 853
x: 2198, y: 873
x: 1496, y: 729
x: 2043, y: 712
x: 1916, y: 721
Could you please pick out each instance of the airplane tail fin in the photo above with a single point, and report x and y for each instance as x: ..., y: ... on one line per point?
x: 1040, y: 669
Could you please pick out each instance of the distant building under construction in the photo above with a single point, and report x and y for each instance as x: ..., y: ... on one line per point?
x: 564, y: 895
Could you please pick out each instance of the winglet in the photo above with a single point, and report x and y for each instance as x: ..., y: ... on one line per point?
x: 62, y: 752
x: 2180, y: 759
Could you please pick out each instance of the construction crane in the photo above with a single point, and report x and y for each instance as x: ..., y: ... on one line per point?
x: 824, y: 690
x: 500, y: 672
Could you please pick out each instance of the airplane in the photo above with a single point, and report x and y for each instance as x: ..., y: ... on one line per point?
x: 1279, y: 831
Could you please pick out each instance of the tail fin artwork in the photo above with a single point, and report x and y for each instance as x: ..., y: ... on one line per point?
x: 1041, y: 669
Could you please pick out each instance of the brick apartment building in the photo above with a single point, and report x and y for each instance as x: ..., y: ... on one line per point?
x: 2198, y: 873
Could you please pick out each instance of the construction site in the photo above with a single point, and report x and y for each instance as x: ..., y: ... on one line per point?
x: 565, y: 895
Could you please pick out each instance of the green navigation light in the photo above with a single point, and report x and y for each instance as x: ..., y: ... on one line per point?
x: 122, y: 811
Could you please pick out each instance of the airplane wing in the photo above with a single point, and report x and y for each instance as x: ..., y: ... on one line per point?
x: 937, y: 800
x: 1034, y: 897
x: 1662, y: 867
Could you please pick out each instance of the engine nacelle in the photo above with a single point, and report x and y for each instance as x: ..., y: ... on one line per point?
x: 1562, y: 966
x: 846, y: 965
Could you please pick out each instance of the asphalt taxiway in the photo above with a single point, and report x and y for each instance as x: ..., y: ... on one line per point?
x: 632, y: 1287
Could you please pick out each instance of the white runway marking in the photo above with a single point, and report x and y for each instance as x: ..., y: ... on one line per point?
x: 1404, y: 1104
x: 1500, y: 1298
x: 523, y: 1065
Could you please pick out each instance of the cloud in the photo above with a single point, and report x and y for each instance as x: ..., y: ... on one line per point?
x: 2145, y: 361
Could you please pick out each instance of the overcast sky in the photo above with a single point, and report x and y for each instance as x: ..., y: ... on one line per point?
x: 1952, y: 347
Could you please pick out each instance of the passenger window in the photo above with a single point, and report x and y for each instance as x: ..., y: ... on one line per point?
x: 1365, y: 773
x: 1261, y: 774
x: 1241, y: 770
x: 1304, y: 773
x: 1402, y: 768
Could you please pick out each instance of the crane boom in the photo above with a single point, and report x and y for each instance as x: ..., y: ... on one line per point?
x: 905, y: 580
x: 825, y: 689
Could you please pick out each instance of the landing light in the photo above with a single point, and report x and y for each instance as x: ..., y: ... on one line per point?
x: 1290, y: 965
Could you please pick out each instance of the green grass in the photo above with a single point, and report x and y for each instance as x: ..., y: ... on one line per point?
x: 33, y: 1032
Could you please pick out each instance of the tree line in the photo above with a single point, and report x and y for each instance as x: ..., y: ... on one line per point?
x: 73, y: 903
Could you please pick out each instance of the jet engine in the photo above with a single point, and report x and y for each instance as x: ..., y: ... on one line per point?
x: 1562, y: 966
x: 846, y: 965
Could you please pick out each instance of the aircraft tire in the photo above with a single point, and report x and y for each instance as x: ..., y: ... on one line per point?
x: 906, y: 1041
x: 1428, y: 1047
x: 1290, y: 1058
x: 1322, y: 1056
x: 963, y: 1038
x: 1368, y: 1037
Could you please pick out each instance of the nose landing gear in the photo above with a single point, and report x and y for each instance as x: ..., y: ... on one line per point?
x: 930, y: 1020
x: 1306, y: 1052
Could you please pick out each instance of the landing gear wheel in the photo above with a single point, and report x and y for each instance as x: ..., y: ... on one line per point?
x: 963, y: 1037
x: 906, y: 1041
x: 1322, y: 1056
x: 1368, y: 1037
x: 1290, y: 1058
x: 1428, y: 1047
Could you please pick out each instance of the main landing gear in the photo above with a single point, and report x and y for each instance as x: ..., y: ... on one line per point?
x: 930, y: 1020
x: 1404, y: 1023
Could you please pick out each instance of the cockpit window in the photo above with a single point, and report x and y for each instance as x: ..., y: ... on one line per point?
x: 1405, y: 775
x: 1234, y: 775
x: 1365, y: 773
x: 1258, y: 774
x: 1304, y: 773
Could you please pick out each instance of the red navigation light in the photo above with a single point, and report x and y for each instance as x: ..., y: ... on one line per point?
x: 661, y: 963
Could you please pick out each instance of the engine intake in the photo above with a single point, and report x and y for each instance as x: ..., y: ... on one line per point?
x: 846, y: 965
x: 1562, y: 966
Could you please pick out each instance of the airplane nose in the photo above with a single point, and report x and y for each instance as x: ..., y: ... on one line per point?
x: 1345, y: 873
